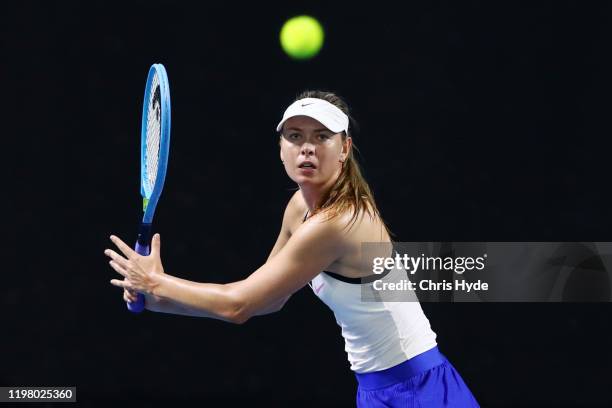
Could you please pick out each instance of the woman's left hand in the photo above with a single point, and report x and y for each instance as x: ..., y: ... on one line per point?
x: 141, y: 273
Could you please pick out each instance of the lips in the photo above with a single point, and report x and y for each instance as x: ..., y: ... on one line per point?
x: 307, y: 165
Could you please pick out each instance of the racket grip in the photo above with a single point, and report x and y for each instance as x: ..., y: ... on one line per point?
x: 143, y: 248
x: 137, y: 306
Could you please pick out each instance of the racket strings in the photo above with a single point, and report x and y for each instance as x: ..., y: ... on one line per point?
x: 153, y: 134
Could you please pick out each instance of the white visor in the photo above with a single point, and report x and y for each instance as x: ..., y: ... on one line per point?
x: 326, y: 113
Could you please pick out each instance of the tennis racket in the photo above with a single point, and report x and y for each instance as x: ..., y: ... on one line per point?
x: 154, y: 148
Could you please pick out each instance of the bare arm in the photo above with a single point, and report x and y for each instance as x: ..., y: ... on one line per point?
x: 313, y: 246
x: 292, y: 216
x: 156, y: 304
x: 310, y: 249
x: 293, y: 211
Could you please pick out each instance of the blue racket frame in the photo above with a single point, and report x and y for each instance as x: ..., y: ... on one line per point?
x: 164, y: 143
x: 143, y: 243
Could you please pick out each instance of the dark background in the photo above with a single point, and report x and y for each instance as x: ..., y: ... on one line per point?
x: 479, y: 121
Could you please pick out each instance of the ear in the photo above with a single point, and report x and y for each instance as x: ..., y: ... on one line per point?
x: 281, y: 154
x: 346, y: 148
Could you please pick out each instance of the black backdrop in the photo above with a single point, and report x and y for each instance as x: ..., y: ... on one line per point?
x: 479, y: 121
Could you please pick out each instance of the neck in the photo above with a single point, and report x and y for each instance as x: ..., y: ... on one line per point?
x: 313, y: 193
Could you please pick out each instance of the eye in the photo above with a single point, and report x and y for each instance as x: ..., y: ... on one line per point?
x: 324, y: 136
x: 292, y: 137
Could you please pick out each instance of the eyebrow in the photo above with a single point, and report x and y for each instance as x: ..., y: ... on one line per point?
x: 316, y: 130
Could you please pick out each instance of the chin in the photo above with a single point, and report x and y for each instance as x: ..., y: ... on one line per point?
x: 299, y: 179
x: 308, y: 181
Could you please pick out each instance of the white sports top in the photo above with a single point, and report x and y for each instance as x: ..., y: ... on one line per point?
x: 377, y: 334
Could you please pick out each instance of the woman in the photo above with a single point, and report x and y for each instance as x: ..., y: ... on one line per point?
x: 391, y: 346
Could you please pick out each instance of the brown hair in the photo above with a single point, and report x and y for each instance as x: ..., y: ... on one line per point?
x: 351, y: 191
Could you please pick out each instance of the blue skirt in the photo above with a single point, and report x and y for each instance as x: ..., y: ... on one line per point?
x: 427, y: 380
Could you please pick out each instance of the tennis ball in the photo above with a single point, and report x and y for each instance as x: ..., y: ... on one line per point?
x: 302, y: 37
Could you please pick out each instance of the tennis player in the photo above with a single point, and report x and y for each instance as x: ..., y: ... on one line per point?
x: 391, y: 346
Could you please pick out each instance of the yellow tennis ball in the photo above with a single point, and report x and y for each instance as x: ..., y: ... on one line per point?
x: 302, y: 37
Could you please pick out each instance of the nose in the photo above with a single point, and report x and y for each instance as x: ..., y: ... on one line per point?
x: 307, y: 149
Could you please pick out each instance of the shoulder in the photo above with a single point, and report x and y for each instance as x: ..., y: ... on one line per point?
x: 321, y: 227
x: 294, y: 212
x: 320, y: 238
x: 355, y: 227
x: 296, y: 205
x: 347, y: 219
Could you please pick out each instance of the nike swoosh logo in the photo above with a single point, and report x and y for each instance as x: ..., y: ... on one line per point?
x: 306, y: 104
x: 317, y: 290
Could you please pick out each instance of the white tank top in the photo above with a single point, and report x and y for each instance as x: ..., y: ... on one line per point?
x: 377, y: 335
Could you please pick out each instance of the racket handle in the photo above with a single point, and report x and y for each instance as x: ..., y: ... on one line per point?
x: 137, y: 306
x: 143, y: 248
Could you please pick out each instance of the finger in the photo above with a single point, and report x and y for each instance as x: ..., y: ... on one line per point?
x: 116, y: 257
x: 123, y: 247
x: 129, y: 296
x: 156, y: 245
x: 118, y: 268
x: 120, y: 283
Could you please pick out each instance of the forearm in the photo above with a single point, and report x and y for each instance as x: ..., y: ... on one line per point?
x: 272, y: 308
x: 211, y: 300
x: 158, y: 305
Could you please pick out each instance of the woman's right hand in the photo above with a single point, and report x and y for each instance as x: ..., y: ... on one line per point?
x: 129, y: 296
x: 152, y: 303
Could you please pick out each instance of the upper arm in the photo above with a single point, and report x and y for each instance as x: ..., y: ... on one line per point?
x: 310, y: 249
x: 293, y: 210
